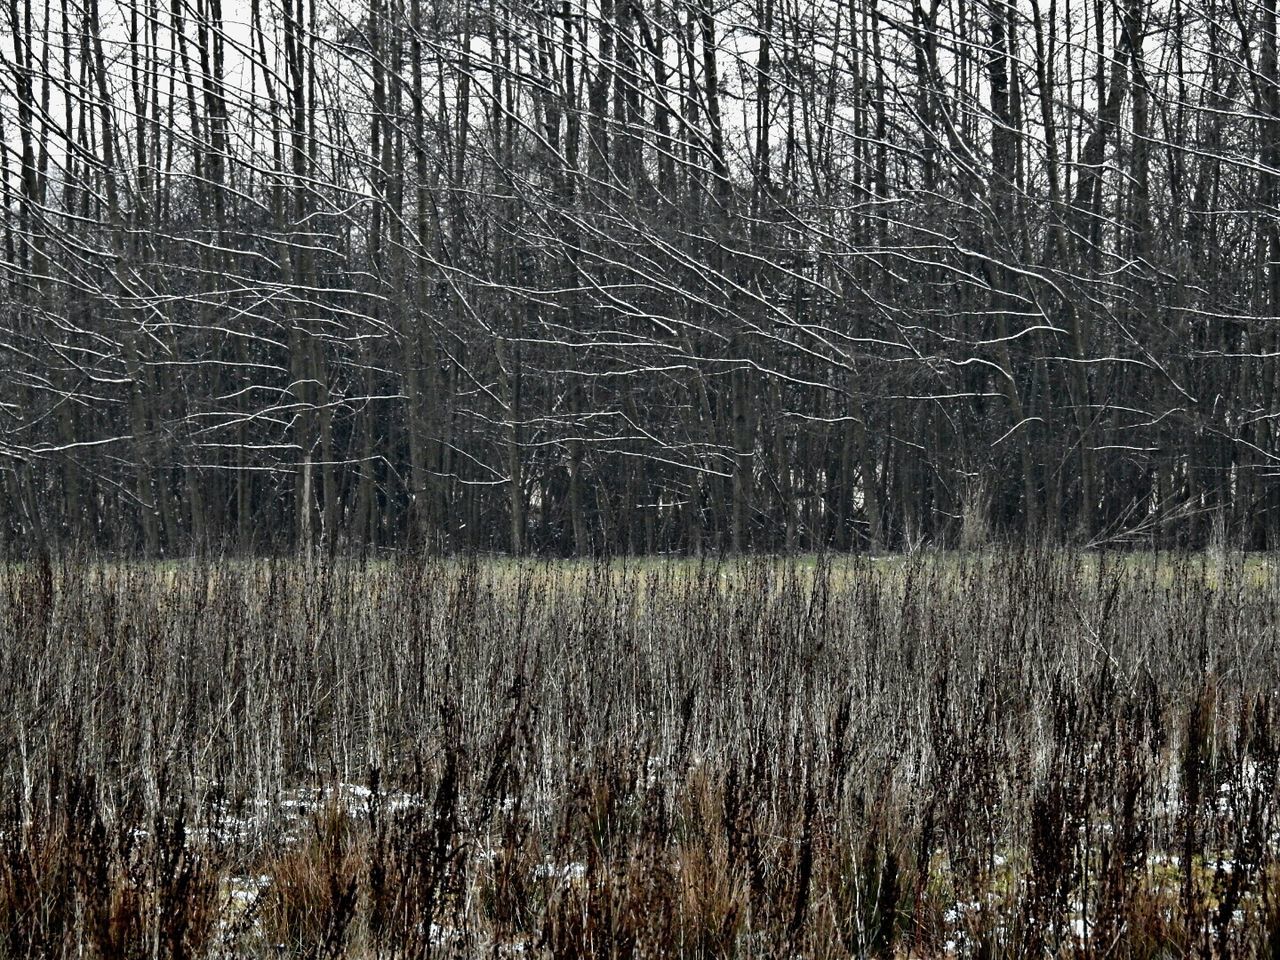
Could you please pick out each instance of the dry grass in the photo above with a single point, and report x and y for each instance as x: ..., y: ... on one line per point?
x: 73, y: 884
x: 999, y: 754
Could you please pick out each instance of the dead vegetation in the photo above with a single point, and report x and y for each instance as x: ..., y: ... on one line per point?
x: 1000, y: 754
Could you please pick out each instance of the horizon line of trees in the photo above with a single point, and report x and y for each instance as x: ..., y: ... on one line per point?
x: 575, y: 276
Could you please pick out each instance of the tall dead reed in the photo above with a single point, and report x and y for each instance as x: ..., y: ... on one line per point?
x: 1012, y: 753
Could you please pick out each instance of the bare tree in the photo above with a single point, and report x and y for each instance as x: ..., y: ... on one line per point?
x: 609, y: 275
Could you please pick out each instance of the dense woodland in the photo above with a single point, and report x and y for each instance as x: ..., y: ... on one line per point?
x: 576, y: 276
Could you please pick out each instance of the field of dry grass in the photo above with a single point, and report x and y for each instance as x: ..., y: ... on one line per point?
x: 998, y: 754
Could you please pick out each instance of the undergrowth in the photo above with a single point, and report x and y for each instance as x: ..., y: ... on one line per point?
x: 997, y: 754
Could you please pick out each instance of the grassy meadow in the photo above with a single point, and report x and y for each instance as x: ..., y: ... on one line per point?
x: 1003, y: 753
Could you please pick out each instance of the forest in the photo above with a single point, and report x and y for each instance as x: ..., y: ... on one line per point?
x: 638, y: 276
x: 639, y: 479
